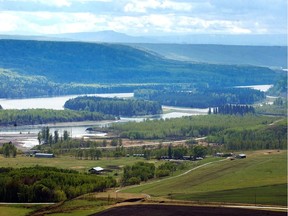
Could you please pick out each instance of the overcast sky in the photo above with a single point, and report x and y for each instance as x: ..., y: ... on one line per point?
x: 143, y: 17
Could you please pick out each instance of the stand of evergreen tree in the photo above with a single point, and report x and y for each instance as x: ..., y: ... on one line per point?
x: 201, y: 97
x: 229, y: 109
x: 114, y: 106
x: 45, y: 137
x: 43, y: 116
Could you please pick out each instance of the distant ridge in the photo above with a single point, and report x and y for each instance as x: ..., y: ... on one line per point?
x: 105, y: 36
x: 110, y: 36
x: 78, y: 62
x: 267, y: 56
x: 116, y: 37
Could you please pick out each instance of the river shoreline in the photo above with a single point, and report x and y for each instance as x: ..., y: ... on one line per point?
x: 26, y: 136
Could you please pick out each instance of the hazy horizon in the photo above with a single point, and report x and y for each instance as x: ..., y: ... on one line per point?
x: 220, y: 21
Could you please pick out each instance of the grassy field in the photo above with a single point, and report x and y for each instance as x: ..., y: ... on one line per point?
x: 18, y: 209
x: 12, y: 210
x: 261, y: 178
x: 67, y: 162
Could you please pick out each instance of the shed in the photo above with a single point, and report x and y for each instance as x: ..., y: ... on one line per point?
x: 96, y: 170
x: 44, y: 155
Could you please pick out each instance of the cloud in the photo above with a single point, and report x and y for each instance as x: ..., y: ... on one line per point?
x: 8, y: 22
x: 56, y: 3
x: 150, y: 17
x: 143, y: 6
x: 48, y: 22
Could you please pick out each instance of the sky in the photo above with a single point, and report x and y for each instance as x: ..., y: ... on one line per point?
x: 143, y: 17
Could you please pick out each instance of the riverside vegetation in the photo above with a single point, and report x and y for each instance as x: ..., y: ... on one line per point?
x: 47, y: 72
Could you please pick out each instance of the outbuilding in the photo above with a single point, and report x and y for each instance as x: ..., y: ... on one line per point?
x: 241, y: 156
x: 96, y: 170
x: 44, y: 155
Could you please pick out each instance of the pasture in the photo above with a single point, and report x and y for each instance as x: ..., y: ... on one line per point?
x: 67, y: 162
x: 261, y: 178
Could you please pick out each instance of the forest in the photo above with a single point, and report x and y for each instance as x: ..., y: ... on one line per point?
x: 202, y: 98
x: 16, y: 85
x: 48, y: 184
x: 233, y: 131
x: 42, y: 116
x: 44, y: 68
x: 114, y: 106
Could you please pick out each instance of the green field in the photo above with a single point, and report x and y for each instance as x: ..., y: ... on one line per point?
x: 66, y: 162
x: 18, y: 209
x: 12, y: 210
x: 261, y: 178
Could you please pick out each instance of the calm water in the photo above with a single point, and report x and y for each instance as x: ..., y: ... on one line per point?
x: 80, y: 130
x: 56, y: 103
x: 263, y: 88
x: 76, y: 131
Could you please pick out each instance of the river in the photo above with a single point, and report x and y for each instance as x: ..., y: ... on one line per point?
x: 28, y: 134
x: 78, y: 130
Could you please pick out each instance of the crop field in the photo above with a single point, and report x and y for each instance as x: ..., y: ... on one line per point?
x: 261, y: 178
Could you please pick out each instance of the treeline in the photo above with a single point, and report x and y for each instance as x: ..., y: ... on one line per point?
x: 83, y: 149
x: 16, y: 85
x: 45, y: 137
x: 279, y: 88
x: 48, y: 184
x: 138, y: 172
x: 114, y: 106
x: 216, y: 126
x: 278, y: 107
x: 231, y: 109
x: 43, y: 116
x: 271, y: 137
x: 142, y: 171
x: 203, y: 98
x: 185, y: 127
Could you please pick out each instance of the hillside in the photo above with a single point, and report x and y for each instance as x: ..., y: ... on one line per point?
x: 269, y: 56
x: 260, y: 178
x: 90, y: 63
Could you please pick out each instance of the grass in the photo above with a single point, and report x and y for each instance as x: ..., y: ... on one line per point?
x: 261, y: 178
x: 13, y: 210
x: 66, y: 162
x: 78, y: 207
x: 87, y: 204
x: 18, y: 209
x: 260, y: 173
x: 253, y: 195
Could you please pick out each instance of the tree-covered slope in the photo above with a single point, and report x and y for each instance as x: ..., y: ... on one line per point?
x: 269, y: 56
x: 66, y: 62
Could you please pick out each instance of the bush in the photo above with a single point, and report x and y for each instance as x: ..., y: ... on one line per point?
x: 134, y: 181
x: 162, y: 173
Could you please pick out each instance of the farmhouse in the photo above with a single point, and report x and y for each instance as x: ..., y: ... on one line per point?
x: 44, y: 155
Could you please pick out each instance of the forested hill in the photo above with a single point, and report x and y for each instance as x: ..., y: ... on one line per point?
x: 269, y: 56
x: 66, y: 62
